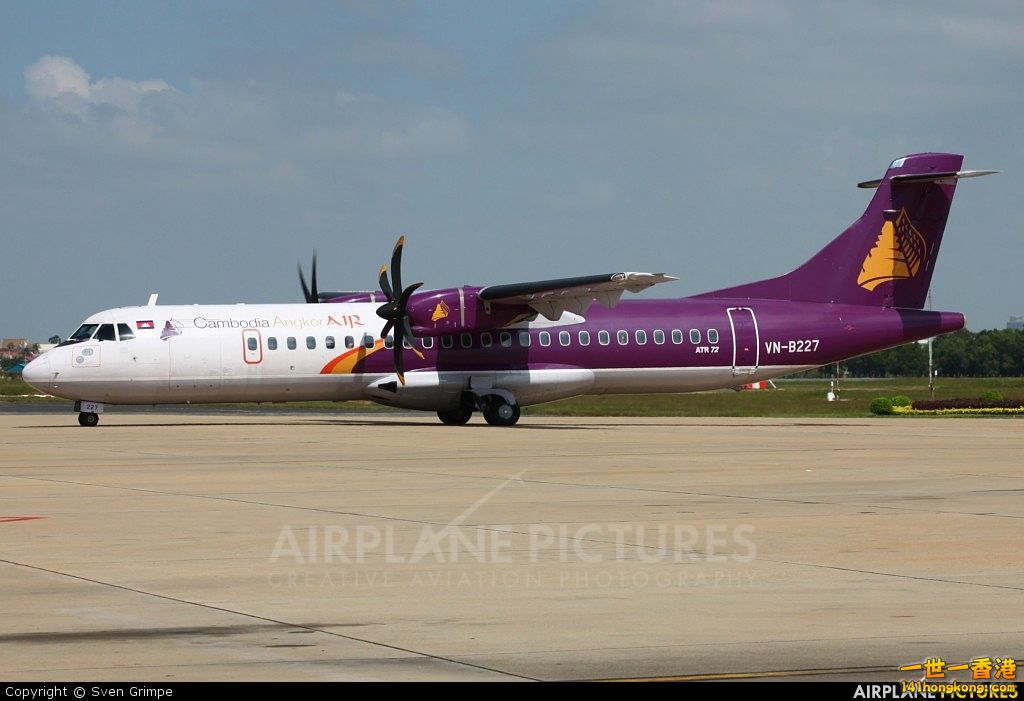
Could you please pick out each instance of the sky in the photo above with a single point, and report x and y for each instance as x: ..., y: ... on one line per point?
x: 200, y: 150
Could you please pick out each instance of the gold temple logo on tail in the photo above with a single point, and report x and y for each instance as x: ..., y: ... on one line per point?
x: 897, y: 254
x: 441, y: 311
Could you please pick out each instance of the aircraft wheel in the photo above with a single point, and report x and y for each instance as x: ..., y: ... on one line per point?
x: 87, y: 418
x: 456, y: 417
x: 501, y: 413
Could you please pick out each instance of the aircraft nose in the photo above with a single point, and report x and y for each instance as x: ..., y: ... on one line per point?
x: 37, y: 373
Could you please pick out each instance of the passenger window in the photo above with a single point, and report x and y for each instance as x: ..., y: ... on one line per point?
x: 659, y: 336
x: 271, y: 343
x: 524, y: 339
x: 677, y: 336
x: 564, y: 338
x: 641, y: 337
x: 407, y: 344
x: 329, y: 343
x: 447, y: 342
x: 428, y: 341
x: 604, y: 338
x: 584, y: 338
x: 367, y: 341
x: 291, y: 343
x: 310, y: 342
x: 506, y: 339
x: 694, y: 336
x: 485, y: 340
x: 712, y: 336
x: 389, y: 341
x: 124, y: 332
x: 466, y: 340
x: 106, y: 333
x: 350, y: 342
x: 622, y: 337
x: 545, y: 338
x: 251, y: 344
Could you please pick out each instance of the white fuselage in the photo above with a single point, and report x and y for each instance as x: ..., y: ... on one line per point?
x: 302, y: 352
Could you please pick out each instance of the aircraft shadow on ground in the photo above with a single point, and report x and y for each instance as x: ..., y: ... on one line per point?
x: 322, y: 422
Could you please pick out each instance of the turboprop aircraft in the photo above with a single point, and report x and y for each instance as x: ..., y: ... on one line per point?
x: 497, y: 348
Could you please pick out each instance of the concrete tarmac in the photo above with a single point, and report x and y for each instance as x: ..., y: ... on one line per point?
x: 295, y: 547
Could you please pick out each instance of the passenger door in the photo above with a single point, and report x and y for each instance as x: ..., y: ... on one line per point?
x: 746, y: 346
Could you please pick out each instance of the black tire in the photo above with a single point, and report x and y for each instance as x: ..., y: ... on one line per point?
x: 87, y: 418
x: 501, y: 413
x: 456, y: 417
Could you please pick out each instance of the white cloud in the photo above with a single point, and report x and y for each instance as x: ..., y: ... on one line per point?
x: 53, y: 76
x: 59, y: 81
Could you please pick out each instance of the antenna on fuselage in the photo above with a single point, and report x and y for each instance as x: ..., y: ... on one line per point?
x: 152, y: 299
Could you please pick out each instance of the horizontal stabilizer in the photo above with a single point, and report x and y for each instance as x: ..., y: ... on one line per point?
x: 947, y: 178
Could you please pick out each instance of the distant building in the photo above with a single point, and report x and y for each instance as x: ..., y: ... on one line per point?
x: 16, y: 349
x: 13, y: 347
x: 1016, y: 323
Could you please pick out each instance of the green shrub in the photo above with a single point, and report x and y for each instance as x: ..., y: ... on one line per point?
x: 990, y: 396
x: 881, y: 406
x: 901, y: 400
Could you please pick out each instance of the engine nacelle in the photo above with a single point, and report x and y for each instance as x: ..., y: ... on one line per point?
x: 425, y: 391
x: 459, y: 309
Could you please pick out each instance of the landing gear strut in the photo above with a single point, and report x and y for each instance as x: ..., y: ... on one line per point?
x: 87, y: 418
x: 499, y: 412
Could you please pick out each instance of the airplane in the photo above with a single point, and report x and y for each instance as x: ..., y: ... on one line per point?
x: 497, y: 348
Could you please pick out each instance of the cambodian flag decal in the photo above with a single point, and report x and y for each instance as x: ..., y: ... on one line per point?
x: 147, y: 324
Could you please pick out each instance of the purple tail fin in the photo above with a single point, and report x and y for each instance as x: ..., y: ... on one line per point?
x: 885, y: 258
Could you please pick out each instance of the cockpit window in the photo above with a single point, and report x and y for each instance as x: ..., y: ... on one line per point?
x: 106, y: 333
x: 124, y: 332
x: 84, y: 331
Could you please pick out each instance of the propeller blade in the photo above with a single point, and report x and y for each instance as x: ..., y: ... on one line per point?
x: 407, y: 330
x: 384, y: 284
x: 395, y: 311
x: 399, y: 359
x: 315, y: 298
x: 396, y: 263
x: 302, y: 281
x: 406, y: 294
x: 309, y: 291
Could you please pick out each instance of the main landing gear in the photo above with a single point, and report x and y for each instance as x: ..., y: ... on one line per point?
x: 87, y: 418
x: 498, y: 410
x: 456, y: 417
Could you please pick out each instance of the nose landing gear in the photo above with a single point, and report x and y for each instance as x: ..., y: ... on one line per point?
x: 88, y: 412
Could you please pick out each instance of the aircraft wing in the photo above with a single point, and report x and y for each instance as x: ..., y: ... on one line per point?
x: 550, y: 298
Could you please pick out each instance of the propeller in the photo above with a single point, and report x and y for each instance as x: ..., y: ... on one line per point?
x: 395, y: 311
x: 309, y: 291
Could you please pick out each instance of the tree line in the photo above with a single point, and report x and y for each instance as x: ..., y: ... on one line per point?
x: 989, y: 353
